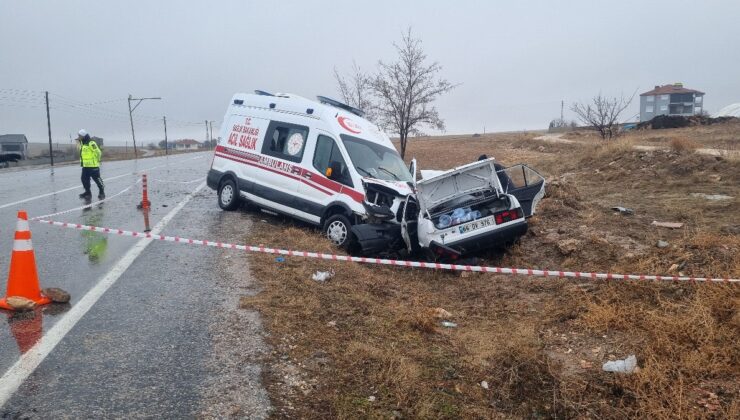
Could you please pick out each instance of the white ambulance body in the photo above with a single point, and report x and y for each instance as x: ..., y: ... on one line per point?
x: 303, y: 158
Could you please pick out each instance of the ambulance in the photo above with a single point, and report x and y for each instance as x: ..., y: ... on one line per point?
x: 323, y: 163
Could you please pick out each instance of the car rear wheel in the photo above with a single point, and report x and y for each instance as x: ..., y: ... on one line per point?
x: 228, y: 195
x: 337, y: 229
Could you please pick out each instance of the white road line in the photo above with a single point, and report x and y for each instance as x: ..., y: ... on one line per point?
x: 57, y: 192
x: 78, y: 186
x: 28, y: 362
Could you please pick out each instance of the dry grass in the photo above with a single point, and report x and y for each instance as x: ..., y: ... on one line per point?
x: 539, y: 344
x: 683, y: 144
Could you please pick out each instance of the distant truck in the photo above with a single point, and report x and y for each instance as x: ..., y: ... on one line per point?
x: 13, y: 147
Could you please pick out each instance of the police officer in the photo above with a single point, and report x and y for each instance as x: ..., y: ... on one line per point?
x: 90, y: 161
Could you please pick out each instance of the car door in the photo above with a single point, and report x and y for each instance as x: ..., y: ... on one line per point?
x: 280, y: 165
x: 330, y: 172
x: 524, y: 183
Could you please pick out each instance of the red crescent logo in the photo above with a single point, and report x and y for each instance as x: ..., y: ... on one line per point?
x: 349, y: 125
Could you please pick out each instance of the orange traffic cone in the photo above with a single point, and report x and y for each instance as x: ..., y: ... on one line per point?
x: 23, y: 280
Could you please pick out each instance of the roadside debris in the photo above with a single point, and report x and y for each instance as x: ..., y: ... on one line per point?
x: 441, y: 313
x: 585, y: 364
x: 371, y: 398
x: 20, y: 303
x: 623, y: 210
x: 662, y: 244
x: 713, y: 197
x: 709, y: 400
x: 484, y: 384
x: 669, y: 225
x: 627, y: 365
x: 449, y: 324
x: 56, y: 294
x: 323, y: 275
x: 280, y: 259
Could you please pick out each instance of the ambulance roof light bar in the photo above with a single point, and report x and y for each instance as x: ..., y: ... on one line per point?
x: 333, y: 102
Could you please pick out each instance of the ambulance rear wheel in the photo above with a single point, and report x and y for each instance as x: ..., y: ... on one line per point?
x: 337, y: 229
x: 228, y: 195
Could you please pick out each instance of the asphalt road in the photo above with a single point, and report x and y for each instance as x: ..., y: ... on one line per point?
x: 150, y: 328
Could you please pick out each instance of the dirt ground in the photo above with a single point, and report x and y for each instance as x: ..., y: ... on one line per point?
x: 370, y: 343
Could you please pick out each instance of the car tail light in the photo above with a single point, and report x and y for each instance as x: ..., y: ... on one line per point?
x: 508, y: 215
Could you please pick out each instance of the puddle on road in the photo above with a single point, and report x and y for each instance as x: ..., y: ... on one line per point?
x: 27, y: 327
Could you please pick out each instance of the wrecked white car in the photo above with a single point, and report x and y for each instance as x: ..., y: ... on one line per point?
x: 449, y: 213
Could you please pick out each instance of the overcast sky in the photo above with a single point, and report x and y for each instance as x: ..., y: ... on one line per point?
x: 515, y: 61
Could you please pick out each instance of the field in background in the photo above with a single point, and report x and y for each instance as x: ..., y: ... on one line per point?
x: 369, y: 342
x: 68, y: 154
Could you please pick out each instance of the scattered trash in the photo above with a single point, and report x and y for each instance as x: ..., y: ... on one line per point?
x: 441, y: 313
x: 279, y: 259
x: 662, y: 244
x: 371, y: 398
x: 732, y: 230
x: 56, y: 294
x: 484, y: 384
x: 669, y: 225
x: 585, y: 364
x: 627, y: 365
x: 165, y: 205
x: 332, y: 323
x: 322, y: 275
x: 449, y: 324
x: 713, y: 196
x: 623, y: 210
x: 19, y: 303
x: 710, y: 400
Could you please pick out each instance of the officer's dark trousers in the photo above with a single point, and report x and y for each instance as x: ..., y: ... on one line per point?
x: 93, y: 173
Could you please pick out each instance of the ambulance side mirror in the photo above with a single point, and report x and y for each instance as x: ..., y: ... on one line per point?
x: 412, y: 170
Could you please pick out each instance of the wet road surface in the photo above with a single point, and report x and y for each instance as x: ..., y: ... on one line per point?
x: 160, y: 341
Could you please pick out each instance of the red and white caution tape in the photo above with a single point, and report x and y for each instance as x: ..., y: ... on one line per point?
x: 401, y: 263
x: 165, y: 181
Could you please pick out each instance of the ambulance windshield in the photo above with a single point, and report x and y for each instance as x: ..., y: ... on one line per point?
x: 376, y: 161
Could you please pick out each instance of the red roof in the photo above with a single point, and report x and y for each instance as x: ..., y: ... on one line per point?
x: 187, y: 141
x: 668, y: 89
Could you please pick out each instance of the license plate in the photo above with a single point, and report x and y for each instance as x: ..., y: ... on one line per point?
x: 478, y: 224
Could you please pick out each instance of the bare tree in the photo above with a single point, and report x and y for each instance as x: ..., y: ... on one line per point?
x: 356, y: 89
x: 406, y: 89
x: 602, y: 113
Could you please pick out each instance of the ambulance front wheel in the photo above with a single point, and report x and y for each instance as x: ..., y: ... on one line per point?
x: 337, y: 229
x: 228, y: 195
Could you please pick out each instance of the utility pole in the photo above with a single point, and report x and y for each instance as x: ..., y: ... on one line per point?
x: 131, y: 117
x: 562, y: 104
x: 48, y: 126
x: 210, y: 125
x: 166, y: 146
x: 207, y: 139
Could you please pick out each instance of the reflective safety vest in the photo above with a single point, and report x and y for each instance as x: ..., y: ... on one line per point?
x: 90, y: 155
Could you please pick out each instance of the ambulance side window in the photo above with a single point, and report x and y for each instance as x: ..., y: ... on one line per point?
x: 328, y: 155
x: 285, y: 141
